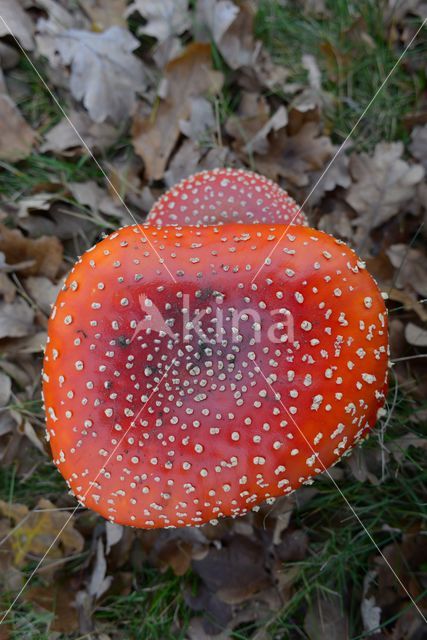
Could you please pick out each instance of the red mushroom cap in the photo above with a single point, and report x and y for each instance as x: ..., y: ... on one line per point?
x: 227, y: 195
x: 172, y: 403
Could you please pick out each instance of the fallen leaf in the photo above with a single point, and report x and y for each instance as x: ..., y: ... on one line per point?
x: 16, y: 135
x: 16, y: 319
x: 364, y: 464
x: 325, y: 619
x: 418, y: 146
x: 57, y: 598
x: 411, y: 265
x: 370, y: 611
x: 336, y: 222
x: 231, y: 28
x: 16, y: 21
x: 105, y: 13
x: 186, y: 77
x: 29, y: 344
x: 184, y: 163
x: 259, y: 143
x: 7, y: 287
x: 114, y: 533
x: 39, y: 201
x: 38, y: 530
x: 166, y: 51
x: 251, y: 117
x: 91, y: 195
x: 383, y: 183
x: 11, y: 578
x: 313, y: 97
x: 407, y: 558
x: 415, y: 335
x: 105, y: 74
x: 5, y: 389
x: 45, y: 252
x: 293, y: 546
x: 99, y: 581
x: 337, y: 175
x: 292, y: 157
x: 42, y: 291
x: 317, y: 7
x: 409, y: 302
x: 25, y: 428
x: 201, y: 124
x: 235, y: 571
x: 399, y: 447
x: 212, y: 626
x: 66, y: 140
x: 58, y: 20
x: 214, y: 18
x: 164, y: 19
x: 9, y: 57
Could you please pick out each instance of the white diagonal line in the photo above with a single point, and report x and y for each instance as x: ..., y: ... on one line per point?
x: 277, y: 397
x: 93, y: 158
x: 88, y: 490
x: 342, y: 145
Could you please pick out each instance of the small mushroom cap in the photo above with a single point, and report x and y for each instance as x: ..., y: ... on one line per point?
x: 222, y: 196
x: 175, y: 403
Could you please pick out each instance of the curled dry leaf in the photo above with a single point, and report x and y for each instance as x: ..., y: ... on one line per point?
x: 411, y: 265
x: 186, y: 77
x: 292, y: 157
x: 113, y: 533
x: 16, y: 135
x: 164, y: 19
x: 105, y: 74
x: 383, y: 183
x: 39, y: 201
x: 99, y: 581
x: 16, y: 21
x: 44, y: 253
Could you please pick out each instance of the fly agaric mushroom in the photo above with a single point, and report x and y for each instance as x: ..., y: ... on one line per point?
x: 225, y: 195
x: 175, y: 402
